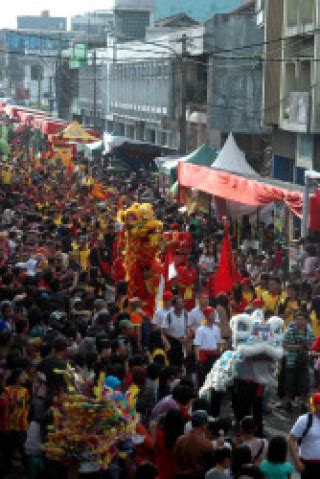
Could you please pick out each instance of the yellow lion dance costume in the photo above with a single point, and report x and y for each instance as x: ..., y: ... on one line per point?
x: 142, y: 249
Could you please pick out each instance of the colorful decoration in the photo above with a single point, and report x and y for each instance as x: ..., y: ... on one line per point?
x: 142, y: 247
x: 89, y: 427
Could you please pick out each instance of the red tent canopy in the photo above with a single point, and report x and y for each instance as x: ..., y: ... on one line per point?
x: 25, y: 117
x: 237, y: 188
x: 37, y: 121
x: 11, y: 110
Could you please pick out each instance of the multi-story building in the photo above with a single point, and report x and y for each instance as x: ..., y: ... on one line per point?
x: 43, y: 22
x: 137, y: 87
x: 131, y: 18
x: 145, y: 89
x: 235, y: 81
x: 91, y: 84
x: 200, y: 9
x: 291, y: 85
x: 92, y: 27
x: 29, y: 62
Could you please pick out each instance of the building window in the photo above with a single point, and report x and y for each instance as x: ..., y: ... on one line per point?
x: 292, y: 8
x: 36, y: 72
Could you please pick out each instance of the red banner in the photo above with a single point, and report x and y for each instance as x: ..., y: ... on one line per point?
x: 237, y: 188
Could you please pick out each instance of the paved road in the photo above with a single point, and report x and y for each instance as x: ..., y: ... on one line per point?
x: 279, y: 422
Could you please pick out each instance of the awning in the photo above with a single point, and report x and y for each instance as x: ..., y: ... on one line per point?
x: 51, y: 127
x: 76, y: 132
x: 204, y: 155
x: 93, y: 149
x: 238, y: 188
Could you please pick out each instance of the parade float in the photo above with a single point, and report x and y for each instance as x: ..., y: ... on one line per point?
x: 142, y: 235
x: 90, y: 423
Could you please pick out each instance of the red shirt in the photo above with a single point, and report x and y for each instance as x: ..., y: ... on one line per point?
x: 316, y: 345
x: 164, y: 457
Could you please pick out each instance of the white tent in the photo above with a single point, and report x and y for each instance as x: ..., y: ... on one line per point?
x: 233, y: 160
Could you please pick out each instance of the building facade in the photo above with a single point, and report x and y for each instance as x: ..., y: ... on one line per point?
x: 43, y: 22
x: 85, y: 80
x: 292, y: 87
x: 235, y: 82
x: 28, y: 66
x: 199, y: 10
x: 145, y: 91
x: 131, y: 18
x: 92, y: 27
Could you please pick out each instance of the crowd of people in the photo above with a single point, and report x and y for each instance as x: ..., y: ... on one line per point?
x: 63, y: 294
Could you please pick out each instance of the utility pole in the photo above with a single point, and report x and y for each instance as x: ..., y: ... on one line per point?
x: 94, y: 89
x: 183, y: 97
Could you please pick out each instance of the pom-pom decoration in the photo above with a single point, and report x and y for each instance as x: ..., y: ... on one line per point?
x: 89, y: 427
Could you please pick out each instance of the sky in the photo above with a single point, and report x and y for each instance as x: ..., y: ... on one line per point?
x: 62, y: 8
x: 196, y: 8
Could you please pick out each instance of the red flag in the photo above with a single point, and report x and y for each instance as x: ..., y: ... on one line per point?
x: 227, y: 275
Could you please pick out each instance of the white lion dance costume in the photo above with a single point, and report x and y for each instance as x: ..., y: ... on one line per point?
x: 251, y: 336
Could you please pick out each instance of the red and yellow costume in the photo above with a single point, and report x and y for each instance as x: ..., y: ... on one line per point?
x: 142, y: 247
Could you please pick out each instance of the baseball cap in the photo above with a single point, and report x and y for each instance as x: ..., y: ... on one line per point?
x: 167, y: 296
x: 258, y: 303
x: 316, y: 399
x: 208, y: 310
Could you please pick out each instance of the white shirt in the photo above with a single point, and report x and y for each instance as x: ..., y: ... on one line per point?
x: 310, y: 447
x: 159, y: 316
x: 31, y: 266
x: 208, y: 337
x: 177, y: 324
x: 196, y: 316
x: 207, y: 263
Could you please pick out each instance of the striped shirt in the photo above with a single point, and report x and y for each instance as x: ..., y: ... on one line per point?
x: 294, y: 337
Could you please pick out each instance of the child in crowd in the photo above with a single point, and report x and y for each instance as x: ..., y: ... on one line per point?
x: 223, y: 463
x: 276, y: 465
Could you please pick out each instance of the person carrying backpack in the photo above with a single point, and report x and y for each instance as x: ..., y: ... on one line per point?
x: 306, y: 434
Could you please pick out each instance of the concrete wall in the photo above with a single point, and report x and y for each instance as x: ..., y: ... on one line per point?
x: 141, y: 90
x: 235, y: 86
x: 86, y: 91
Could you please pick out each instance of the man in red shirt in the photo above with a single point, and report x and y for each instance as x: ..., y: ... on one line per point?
x: 187, y: 278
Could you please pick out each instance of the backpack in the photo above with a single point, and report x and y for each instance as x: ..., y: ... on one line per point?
x: 307, y: 429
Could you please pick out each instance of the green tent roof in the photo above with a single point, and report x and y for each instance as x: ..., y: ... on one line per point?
x: 174, y: 190
x: 203, y: 156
